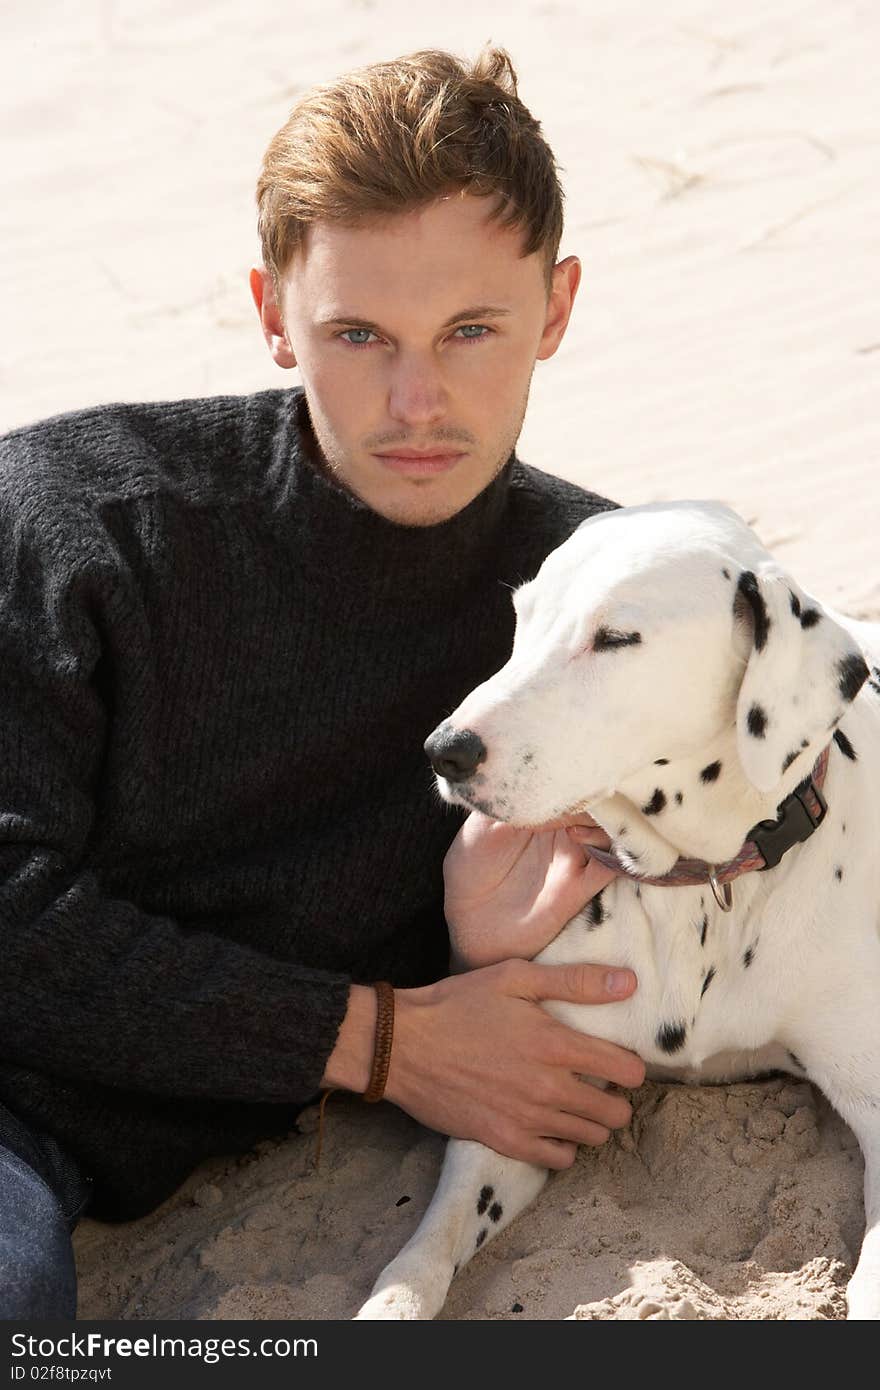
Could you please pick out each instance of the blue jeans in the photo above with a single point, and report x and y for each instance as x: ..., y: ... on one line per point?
x: 42, y: 1195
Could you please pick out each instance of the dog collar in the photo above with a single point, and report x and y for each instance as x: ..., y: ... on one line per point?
x: 802, y: 811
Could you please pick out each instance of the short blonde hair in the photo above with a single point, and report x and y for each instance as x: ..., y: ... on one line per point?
x: 394, y: 136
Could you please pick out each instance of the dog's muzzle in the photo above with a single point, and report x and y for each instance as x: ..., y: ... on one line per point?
x: 455, y: 753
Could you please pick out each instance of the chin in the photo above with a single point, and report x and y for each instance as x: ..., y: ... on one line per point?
x: 425, y: 518
x: 418, y: 511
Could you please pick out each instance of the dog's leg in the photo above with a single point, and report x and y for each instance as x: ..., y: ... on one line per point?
x: 863, y: 1290
x: 860, y: 1107
x: 479, y: 1192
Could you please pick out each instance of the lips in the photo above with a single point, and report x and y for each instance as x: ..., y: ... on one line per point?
x: 414, y: 462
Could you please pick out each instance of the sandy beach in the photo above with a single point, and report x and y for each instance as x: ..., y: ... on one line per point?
x: 722, y: 169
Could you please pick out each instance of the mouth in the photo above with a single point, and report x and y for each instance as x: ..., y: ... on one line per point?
x: 411, y: 463
x: 464, y: 794
x: 461, y: 794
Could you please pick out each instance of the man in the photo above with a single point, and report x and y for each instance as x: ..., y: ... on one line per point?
x: 228, y: 626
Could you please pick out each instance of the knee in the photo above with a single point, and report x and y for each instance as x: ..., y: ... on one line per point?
x: 37, y: 1269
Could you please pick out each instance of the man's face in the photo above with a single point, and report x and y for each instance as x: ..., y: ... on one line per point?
x: 416, y: 336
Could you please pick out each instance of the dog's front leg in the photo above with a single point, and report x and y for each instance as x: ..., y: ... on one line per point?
x: 863, y: 1290
x: 479, y: 1192
x: 859, y: 1105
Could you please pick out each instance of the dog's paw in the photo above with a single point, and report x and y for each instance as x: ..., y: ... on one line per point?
x: 396, y: 1303
x: 863, y: 1297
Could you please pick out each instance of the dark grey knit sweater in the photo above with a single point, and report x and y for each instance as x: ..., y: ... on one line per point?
x: 218, y: 670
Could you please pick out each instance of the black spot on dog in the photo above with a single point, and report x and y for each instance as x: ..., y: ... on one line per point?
x: 660, y: 762
x: 843, y: 828
x: 853, y: 672
x: 678, y: 798
x: 796, y: 1061
x: 655, y: 805
x: 496, y: 1211
x: 710, y: 773
x: 704, y: 927
x: 844, y: 745
x: 638, y: 891
x: 789, y: 759
x: 710, y: 976
x: 795, y: 604
x: 481, y: 1236
x: 726, y: 573
x: 874, y: 686
x: 805, y: 743
x: 402, y: 1201
x: 670, y: 1038
x: 528, y: 758
x: 756, y: 722
x: 596, y: 911
x: 747, y: 590
x: 516, y: 1307
x: 606, y: 639
x: 486, y: 1195
x: 810, y: 617
x: 838, y: 873
x: 748, y: 957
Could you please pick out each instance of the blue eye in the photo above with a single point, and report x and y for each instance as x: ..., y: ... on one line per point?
x: 478, y: 330
x: 363, y: 341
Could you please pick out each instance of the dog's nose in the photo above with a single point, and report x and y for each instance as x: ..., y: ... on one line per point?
x: 455, y: 753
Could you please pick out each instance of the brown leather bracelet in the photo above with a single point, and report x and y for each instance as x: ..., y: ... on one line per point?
x: 382, y: 1046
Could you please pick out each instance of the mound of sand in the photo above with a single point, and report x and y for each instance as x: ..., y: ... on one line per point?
x: 718, y: 1202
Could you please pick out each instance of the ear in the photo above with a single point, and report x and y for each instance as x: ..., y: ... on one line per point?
x: 803, y: 672
x: 271, y: 320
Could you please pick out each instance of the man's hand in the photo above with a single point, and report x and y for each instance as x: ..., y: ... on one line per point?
x: 475, y: 1056
x: 509, y: 892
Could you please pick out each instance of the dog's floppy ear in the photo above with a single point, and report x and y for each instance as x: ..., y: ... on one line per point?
x: 803, y: 671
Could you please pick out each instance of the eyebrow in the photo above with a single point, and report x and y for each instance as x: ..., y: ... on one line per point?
x: 478, y: 311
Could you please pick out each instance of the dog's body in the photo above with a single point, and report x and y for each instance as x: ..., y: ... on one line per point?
x: 669, y: 678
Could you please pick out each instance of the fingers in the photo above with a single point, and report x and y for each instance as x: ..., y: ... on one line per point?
x: 596, y: 1057
x: 596, y: 877
x: 576, y: 983
x: 561, y: 1153
x: 584, y: 1102
x: 551, y: 1153
x: 570, y: 1127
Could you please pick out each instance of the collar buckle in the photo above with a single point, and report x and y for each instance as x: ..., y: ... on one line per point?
x: 802, y: 811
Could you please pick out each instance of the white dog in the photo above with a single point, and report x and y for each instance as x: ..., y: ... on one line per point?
x: 671, y: 679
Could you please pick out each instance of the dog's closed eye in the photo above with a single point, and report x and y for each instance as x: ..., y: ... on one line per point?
x: 607, y: 638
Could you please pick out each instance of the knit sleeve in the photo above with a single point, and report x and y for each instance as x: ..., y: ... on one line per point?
x: 95, y: 989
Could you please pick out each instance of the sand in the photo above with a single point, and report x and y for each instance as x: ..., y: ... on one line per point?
x: 723, y: 184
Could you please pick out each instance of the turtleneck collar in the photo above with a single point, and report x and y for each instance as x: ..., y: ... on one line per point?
x: 338, y: 533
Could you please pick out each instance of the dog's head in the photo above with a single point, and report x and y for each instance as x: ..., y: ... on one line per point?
x: 650, y: 634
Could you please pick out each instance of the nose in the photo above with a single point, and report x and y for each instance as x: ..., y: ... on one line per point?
x: 455, y: 753
x: 417, y: 397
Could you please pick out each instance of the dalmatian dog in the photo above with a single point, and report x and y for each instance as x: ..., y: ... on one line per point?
x: 668, y: 677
